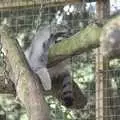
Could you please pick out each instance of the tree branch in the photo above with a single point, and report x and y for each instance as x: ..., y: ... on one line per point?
x: 26, y: 84
x: 81, y: 42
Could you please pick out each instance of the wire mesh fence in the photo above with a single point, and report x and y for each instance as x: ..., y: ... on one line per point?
x: 101, y: 88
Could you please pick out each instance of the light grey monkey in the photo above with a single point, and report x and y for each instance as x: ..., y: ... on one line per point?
x: 37, y: 53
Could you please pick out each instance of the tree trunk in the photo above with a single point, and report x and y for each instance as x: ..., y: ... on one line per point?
x: 26, y: 84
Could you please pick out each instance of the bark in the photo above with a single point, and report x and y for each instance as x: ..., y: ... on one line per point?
x: 26, y: 84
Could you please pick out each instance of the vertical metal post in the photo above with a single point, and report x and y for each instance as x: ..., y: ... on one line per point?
x: 102, y: 63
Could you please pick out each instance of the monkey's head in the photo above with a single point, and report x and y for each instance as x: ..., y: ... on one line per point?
x: 111, y: 43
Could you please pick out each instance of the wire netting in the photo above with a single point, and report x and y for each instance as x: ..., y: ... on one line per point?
x: 25, y: 17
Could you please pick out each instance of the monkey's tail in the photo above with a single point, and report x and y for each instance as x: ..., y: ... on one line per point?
x: 67, y: 90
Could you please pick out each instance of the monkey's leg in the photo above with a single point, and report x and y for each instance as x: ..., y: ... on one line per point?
x: 45, y: 78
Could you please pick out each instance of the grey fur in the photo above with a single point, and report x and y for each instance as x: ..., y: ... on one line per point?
x: 37, y: 53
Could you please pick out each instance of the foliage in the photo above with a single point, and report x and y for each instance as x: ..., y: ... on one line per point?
x: 10, y: 109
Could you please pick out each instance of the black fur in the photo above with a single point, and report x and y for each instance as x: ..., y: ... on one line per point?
x: 67, y: 94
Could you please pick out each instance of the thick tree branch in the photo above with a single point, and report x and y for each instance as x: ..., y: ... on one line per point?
x: 81, y: 42
x: 27, y: 85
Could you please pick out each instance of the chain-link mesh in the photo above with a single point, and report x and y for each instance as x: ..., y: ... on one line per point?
x: 25, y: 17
